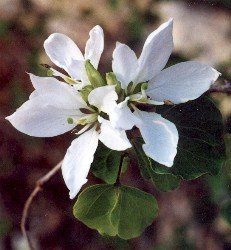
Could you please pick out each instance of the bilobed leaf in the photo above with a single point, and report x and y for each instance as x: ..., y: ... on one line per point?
x: 106, y: 164
x: 143, y: 161
x: 201, y: 146
x: 162, y: 178
x: 165, y: 182
x: 93, y: 208
x: 116, y: 210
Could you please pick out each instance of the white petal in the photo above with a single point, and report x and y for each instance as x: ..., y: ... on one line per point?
x: 63, y: 52
x: 37, y: 118
x: 156, y: 51
x: 121, y: 117
x: 114, y: 139
x: 56, y: 93
x: 95, y: 46
x: 103, y: 98
x: 160, y: 136
x: 76, y: 69
x: 124, y: 64
x: 182, y: 82
x: 77, y: 161
x: 78, y: 72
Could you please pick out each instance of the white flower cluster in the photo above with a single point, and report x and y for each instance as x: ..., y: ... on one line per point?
x: 105, y: 110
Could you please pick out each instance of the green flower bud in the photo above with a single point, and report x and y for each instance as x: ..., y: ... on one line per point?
x: 85, y: 91
x: 111, y: 80
x: 94, y: 76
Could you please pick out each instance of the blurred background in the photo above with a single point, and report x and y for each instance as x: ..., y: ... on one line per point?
x: 190, y: 217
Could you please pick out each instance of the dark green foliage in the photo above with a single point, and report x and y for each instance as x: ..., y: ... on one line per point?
x: 163, y: 180
x: 106, y: 164
x: 201, y: 146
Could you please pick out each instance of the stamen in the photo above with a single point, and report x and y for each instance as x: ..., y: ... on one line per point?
x: 54, y: 72
x: 67, y: 79
x: 124, y: 103
x: 152, y: 102
x: 87, y: 111
x: 83, y: 129
x: 135, y: 97
x: 144, y: 87
x: 87, y: 119
x: 134, y: 107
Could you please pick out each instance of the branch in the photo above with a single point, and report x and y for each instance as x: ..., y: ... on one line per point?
x: 221, y: 88
x: 37, y: 189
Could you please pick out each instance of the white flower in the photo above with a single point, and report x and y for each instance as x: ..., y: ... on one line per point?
x: 55, y: 108
x: 65, y: 54
x: 177, y: 84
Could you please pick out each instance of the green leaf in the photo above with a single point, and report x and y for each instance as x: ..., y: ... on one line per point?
x: 116, y: 210
x: 106, y: 164
x: 125, y: 164
x: 228, y: 153
x: 162, y: 179
x: 165, y: 182
x: 201, y: 146
x: 93, y: 208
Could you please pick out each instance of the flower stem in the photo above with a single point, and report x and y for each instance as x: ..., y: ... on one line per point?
x: 117, y: 183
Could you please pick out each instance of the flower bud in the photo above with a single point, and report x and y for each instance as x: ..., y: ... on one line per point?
x: 94, y: 76
x: 111, y: 80
x: 85, y: 91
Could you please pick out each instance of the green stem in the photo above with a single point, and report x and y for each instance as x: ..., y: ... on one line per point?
x: 117, y: 183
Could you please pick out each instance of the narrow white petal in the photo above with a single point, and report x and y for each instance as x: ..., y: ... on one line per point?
x: 156, y: 51
x: 37, y: 118
x: 160, y: 137
x: 182, y: 82
x: 63, y: 52
x: 124, y: 64
x: 56, y: 93
x: 121, y: 117
x: 77, y: 161
x: 114, y: 139
x: 103, y: 98
x: 95, y: 46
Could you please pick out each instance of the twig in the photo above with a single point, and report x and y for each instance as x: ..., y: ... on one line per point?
x: 120, y: 168
x: 37, y: 189
x: 221, y: 88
